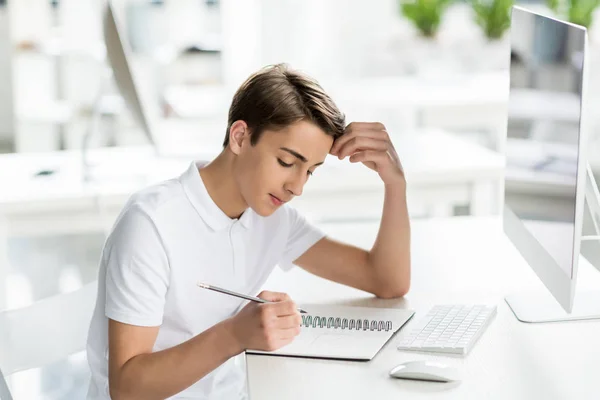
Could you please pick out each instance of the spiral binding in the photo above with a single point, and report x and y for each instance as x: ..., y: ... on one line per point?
x: 310, y: 321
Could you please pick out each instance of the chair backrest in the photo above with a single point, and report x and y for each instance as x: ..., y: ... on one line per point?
x: 4, y: 392
x: 47, y: 331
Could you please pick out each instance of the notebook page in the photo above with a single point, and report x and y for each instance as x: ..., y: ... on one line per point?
x: 330, y: 336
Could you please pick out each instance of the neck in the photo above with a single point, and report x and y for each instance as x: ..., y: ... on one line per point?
x: 219, y: 180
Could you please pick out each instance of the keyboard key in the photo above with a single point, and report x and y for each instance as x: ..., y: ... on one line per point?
x: 448, y: 329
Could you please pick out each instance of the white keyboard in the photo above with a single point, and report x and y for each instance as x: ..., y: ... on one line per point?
x: 448, y: 329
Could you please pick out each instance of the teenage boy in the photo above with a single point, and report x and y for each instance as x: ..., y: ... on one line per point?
x: 155, y: 334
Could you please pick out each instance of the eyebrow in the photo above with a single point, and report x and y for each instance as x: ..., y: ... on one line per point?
x: 298, y: 155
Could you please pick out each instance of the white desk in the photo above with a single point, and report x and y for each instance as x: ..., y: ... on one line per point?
x: 458, y: 260
x: 442, y: 171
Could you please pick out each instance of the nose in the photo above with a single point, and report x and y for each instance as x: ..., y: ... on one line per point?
x: 295, y: 184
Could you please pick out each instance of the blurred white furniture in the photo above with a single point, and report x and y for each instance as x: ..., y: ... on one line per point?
x: 44, y: 123
x: 536, y: 105
x: 46, y: 331
x: 442, y: 171
x: 463, y: 260
x: 467, y: 102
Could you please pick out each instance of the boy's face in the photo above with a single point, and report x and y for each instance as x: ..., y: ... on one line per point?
x: 276, y: 169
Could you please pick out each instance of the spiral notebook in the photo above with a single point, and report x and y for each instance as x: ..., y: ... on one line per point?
x: 343, y: 332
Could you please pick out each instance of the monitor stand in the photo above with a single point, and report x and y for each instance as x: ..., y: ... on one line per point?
x: 543, y: 307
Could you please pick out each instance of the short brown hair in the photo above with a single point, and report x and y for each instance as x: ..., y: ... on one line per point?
x: 277, y: 96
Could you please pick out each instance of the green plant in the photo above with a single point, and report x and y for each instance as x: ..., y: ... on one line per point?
x: 579, y: 12
x: 493, y: 16
x: 426, y: 15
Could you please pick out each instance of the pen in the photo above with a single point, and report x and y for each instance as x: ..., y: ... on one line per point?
x: 241, y: 296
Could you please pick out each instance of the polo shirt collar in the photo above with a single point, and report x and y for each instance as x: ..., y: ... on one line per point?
x: 205, y: 206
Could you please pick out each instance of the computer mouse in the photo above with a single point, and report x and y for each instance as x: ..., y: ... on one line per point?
x: 425, y: 371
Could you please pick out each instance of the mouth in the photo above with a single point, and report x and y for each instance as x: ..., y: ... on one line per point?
x: 276, y: 200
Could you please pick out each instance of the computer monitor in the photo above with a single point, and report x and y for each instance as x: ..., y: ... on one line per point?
x: 144, y: 110
x: 547, y: 172
x: 118, y: 57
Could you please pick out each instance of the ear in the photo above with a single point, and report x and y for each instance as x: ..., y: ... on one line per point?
x: 238, y: 134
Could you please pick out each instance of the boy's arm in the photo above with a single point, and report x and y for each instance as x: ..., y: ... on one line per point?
x: 385, y: 269
x: 135, y: 372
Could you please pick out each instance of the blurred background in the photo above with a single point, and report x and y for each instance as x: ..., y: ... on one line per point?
x: 435, y: 72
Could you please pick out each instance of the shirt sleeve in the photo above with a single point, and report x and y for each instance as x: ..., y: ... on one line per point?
x: 137, y: 271
x: 302, y: 236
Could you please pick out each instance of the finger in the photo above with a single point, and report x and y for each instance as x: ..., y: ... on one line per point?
x: 377, y: 126
x: 288, y: 322
x: 342, y: 140
x: 289, y: 334
x: 284, y: 308
x: 370, y: 133
x: 378, y: 157
x: 361, y: 143
x: 285, y: 339
x: 278, y: 309
x: 365, y: 131
x: 273, y: 296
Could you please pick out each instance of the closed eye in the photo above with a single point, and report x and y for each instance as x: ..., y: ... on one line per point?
x: 284, y: 164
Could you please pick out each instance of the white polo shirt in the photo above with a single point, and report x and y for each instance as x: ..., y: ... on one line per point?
x: 167, y: 238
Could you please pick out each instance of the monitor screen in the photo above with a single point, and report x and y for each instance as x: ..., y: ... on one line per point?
x: 544, y: 112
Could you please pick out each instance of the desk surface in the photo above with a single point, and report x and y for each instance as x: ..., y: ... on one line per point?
x: 458, y: 260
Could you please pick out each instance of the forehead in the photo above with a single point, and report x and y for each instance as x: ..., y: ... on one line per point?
x: 304, y: 137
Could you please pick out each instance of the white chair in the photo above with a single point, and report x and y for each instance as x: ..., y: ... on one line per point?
x: 4, y: 392
x: 46, y: 331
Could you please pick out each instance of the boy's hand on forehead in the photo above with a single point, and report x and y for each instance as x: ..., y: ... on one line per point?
x: 369, y: 143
